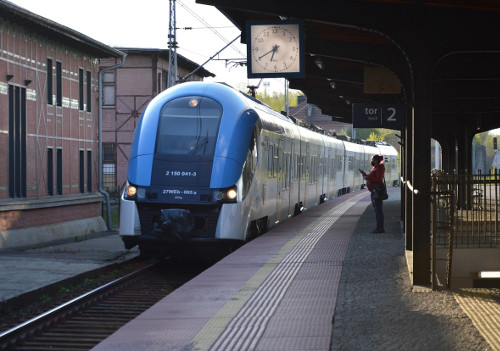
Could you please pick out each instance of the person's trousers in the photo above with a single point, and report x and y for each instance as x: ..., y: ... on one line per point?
x: 379, y: 214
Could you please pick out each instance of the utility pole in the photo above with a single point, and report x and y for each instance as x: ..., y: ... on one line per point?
x: 287, y: 103
x: 172, y: 46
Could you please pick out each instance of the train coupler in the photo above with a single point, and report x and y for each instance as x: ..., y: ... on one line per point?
x: 174, y: 222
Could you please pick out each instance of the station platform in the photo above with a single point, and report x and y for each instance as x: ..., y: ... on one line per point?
x: 25, y: 273
x: 319, y: 281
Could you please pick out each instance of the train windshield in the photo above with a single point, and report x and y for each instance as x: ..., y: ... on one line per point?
x: 189, y: 126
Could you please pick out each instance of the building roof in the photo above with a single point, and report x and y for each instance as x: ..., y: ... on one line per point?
x: 164, y: 53
x: 57, y: 32
x: 311, y: 114
x: 367, y: 46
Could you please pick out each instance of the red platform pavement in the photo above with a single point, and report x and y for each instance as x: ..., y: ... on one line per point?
x: 277, y: 292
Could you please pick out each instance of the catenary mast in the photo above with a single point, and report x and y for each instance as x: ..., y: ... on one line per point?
x: 172, y: 46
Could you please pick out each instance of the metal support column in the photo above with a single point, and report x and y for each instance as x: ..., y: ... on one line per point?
x: 421, y: 171
x: 172, y: 46
x: 407, y: 175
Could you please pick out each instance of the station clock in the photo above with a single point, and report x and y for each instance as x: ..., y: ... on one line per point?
x: 275, y: 49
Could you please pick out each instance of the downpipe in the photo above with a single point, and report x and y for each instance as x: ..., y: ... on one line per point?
x: 101, y: 190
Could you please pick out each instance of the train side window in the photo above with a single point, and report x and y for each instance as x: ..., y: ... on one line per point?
x: 289, y: 175
x: 270, y: 155
x: 316, y: 169
x: 285, y: 171
x: 332, y: 168
x: 351, y: 163
x: 275, y: 161
x: 312, y: 179
x: 297, y: 167
x: 302, y: 174
x: 310, y: 167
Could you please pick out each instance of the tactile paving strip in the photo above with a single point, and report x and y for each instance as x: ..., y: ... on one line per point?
x: 244, y: 331
x: 484, y: 312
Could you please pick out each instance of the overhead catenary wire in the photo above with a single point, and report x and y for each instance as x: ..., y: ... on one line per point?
x: 191, y: 28
x: 200, y: 66
x: 210, y: 27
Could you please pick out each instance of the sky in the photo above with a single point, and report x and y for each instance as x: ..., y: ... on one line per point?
x: 145, y: 23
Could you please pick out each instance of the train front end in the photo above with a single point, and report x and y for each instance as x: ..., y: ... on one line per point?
x: 186, y: 160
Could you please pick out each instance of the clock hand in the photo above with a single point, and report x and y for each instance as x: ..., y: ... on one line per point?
x: 267, y: 53
x: 275, y: 48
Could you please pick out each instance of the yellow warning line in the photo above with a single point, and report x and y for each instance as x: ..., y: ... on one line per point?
x: 484, y: 312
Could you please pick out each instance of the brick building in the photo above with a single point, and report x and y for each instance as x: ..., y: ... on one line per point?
x: 48, y: 129
x: 127, y: 91
x: 311, y: 114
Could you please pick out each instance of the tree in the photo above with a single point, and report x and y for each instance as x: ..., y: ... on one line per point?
x: 276, y: 100
x: 374, y: 136
x: 379, y: 134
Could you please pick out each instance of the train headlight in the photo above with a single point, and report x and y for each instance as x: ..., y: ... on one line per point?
x: 130, y: 192
x: 231, y: 194
x: 226, y: 195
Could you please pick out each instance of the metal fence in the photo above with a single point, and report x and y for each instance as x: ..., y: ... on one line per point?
x: 114, y: 196
x: 465, y: 214
x: 467, y: 206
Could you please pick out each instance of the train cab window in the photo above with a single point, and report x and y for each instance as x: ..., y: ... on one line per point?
x: 189, y: 126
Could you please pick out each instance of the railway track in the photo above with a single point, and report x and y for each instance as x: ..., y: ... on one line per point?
x: 84, y: 321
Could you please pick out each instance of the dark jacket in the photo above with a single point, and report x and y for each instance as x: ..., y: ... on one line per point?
x: 375, y: 177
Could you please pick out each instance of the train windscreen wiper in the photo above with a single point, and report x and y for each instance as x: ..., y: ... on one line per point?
x: 203, y: 143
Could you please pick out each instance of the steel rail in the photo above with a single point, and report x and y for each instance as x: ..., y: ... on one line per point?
x: 24, y: 329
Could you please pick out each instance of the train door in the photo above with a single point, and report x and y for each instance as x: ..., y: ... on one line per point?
x: 290, y: 179
x: 307, y: 165
x: 300, y: 175
x: 279, y: 185
x: 343, y: 167
x: 318, y: 174
x: 329, y: 172
x: 337, y: 171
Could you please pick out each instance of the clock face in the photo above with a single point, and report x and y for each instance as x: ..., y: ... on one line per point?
x: 274, y: 49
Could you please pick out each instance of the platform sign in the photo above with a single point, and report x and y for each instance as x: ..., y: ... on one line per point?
x: 378, y: 116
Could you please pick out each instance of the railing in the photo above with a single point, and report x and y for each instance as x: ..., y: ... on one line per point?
x: 464, y: 214
x: 470, y: 205
x: 114, y: 193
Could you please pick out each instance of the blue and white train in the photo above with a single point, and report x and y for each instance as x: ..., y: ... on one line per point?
x: 211, y: 164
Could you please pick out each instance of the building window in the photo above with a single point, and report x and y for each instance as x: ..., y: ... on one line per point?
x: 89, y: 92
x: 50, y: 172
x: 59, y: 90
x: 50, y: 100
x: 80, y: 89
x: 81, y: 177
x: 59, y: 173
x: 164, y: 83
x: 89, y: 171
x: 17, y: 141
x: 158, y: 83
x: 109, y: 91
x: 109, y: 168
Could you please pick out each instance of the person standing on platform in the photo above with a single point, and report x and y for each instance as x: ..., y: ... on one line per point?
x: 376, y: 177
